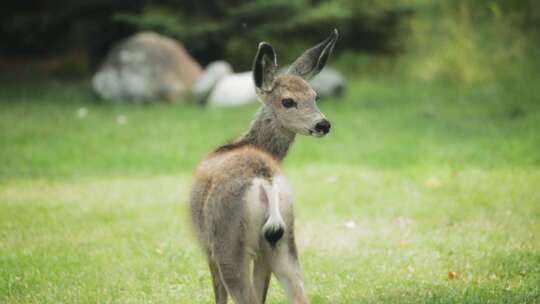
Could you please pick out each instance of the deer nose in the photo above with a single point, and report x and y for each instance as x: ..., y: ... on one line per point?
x: 323, y: 126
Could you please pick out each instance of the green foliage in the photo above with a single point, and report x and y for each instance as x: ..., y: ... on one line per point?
x: 215, y: 32
x: 473, y: 41
x: 463, y: 41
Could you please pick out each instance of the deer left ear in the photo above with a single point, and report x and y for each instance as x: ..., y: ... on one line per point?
x: 264, y: 67
x: 312, y: 61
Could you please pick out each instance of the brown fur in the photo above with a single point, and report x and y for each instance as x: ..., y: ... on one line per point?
x: 240, y: 199
x: 220, y: 181
x: 214, y: 175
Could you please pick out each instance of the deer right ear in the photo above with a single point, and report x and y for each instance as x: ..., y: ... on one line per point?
x: 264, y: 67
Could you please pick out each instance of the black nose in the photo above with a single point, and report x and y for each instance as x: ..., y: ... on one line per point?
x: 323, y: 126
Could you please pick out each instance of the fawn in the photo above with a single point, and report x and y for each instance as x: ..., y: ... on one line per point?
x: 241, y: 204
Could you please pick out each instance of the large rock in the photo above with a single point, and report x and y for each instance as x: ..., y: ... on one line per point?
x: 210, y: 76
x: 233, y: 90
x: 146, y: 67
x: 328, y: 83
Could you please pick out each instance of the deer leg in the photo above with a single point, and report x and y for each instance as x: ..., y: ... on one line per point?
x: 261, y: 277
x: 220, y: 293
x: 237, y: 281
x: 285, y: 265
x: 234, y: 270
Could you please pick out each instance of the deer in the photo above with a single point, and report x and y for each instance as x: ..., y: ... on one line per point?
x: 241, y: 205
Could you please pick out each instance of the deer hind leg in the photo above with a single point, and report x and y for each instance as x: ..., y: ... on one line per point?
x: 230, y: 256
x: 261, y: 277
x: 234, y: 271
x: 220, y: 293
x: 284, y: 263
x: 226, y: 234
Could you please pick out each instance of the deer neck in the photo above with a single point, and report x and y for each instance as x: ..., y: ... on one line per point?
x: 267, y: 134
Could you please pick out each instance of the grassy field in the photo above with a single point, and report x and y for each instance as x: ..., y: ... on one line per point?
x: 415, y: 181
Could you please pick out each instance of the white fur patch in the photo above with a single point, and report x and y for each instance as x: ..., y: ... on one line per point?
x: 275, y: 220
x: 264, y: 216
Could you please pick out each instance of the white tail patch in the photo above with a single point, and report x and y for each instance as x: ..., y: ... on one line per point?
x: 268, y: 202
x: 274, y: 227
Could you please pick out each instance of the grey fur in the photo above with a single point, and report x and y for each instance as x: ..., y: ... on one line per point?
x: 267, y: 134
x: 239, y: 194
x: 313, y: 60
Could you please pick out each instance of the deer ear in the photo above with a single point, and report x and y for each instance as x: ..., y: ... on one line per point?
x: 312, y: 61
x: 264, y: 67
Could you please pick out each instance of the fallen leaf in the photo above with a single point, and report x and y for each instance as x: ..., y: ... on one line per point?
x: 432, y: 182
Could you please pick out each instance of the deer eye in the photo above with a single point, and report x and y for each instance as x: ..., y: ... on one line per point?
x: 288, y: 103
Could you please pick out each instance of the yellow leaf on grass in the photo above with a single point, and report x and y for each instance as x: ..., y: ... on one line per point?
x: 432, y: 182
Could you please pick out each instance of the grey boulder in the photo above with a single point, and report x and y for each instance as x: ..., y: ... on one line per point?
x: 329, y: 83
x: 146, y: 67
x: 206, y: 82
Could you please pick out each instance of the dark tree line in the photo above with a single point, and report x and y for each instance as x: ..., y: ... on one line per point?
x: 216, y: 29
x: 210, y: 29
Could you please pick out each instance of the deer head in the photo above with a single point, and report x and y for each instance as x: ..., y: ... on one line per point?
x: 289, y: 96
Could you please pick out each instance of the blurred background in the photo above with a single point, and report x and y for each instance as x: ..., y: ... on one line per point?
x: 462, y: 41
x: 425, y: 191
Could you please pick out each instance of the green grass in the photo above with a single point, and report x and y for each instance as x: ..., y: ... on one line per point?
x: 436, y: 179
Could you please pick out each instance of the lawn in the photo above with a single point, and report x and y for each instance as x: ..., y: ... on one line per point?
x: 422, y: 193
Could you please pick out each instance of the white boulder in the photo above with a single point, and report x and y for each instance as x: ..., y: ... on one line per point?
x: 209, y: 78
x: 233, y: 90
